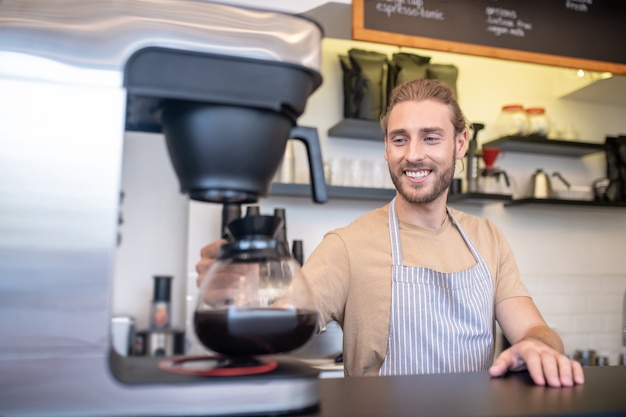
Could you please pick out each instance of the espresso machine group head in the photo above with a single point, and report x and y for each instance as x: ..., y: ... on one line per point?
x: 225, y: 85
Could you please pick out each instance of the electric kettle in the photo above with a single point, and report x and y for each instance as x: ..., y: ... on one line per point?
x: 541, y: 186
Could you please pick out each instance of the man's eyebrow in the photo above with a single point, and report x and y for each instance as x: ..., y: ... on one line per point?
x: 422, y: 131
x: 427, y: 130
x: 397, y: 132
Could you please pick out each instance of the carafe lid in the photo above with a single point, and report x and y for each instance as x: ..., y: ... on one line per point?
x: 253, y: 237
x: 250, y: 227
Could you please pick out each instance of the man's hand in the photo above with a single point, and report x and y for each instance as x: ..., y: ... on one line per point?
x: 545, y: 365
x: 208, y: 254
x: 230, y: 282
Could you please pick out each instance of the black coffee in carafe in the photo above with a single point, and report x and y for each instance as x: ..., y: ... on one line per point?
x: 254, y: 331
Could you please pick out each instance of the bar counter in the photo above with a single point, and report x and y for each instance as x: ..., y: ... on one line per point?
x: 473, y: 395
x: 136, y: 386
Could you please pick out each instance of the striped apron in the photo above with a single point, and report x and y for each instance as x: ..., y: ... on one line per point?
x: 440, y: 322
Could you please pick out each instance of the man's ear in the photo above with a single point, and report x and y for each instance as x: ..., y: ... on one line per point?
x: 461, y: 144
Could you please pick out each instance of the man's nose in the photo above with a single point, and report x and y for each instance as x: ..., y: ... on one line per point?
x: 416, y: 151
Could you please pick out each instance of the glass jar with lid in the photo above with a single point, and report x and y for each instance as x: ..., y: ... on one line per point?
x: 538, y: 122
x: 512, y: 120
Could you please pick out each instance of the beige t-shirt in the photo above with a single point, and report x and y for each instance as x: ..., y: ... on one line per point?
x: 350, y: 275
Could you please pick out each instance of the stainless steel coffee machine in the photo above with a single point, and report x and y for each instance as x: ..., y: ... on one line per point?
x: 225, y: 85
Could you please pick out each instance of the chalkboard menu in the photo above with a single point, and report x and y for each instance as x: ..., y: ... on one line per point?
x: 586, y: 34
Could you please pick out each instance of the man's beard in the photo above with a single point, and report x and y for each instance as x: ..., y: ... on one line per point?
x: 441, y: 185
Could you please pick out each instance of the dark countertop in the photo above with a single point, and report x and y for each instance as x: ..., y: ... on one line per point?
x: 473, y: 394
x: 137, y: 386
x: 443, y: 395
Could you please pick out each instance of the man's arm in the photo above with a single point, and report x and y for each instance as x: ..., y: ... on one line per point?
x: 534, y: 346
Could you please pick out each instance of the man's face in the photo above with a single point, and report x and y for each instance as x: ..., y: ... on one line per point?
x: 421, y: 149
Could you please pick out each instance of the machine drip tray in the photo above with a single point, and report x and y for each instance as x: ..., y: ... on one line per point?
x: 141, y: 370
x: 217, y: 366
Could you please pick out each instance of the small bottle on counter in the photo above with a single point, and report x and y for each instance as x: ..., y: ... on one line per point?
x: 601, y: 360
x: 160, y: 310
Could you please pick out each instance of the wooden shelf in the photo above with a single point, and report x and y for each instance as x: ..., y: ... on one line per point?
x: 544, y: 146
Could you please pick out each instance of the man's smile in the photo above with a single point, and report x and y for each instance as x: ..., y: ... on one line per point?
x: 419, y: 174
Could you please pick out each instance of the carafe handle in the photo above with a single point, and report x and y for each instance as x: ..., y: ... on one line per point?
x: 308, y: 135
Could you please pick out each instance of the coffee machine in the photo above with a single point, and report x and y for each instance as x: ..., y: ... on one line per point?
x: 225, y: 85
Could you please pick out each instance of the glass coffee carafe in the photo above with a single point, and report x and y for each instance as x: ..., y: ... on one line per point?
x: 254, y: 299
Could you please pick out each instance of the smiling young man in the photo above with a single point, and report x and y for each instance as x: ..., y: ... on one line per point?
x: 416, y: 286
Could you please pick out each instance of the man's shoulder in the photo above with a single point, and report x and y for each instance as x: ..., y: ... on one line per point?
x: 378, y: 216
x: 472, y: 221
x: 369, y: 222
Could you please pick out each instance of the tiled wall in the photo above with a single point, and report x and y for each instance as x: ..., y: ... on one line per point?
x: 572, y: 261
x: 585, y: 310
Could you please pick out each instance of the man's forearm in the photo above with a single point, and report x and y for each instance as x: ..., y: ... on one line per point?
x: 545, y: 335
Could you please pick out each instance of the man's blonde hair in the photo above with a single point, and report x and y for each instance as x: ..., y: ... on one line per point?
x: 424, y: 89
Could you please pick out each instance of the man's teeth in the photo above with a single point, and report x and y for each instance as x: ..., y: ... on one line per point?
x: 416, y: 174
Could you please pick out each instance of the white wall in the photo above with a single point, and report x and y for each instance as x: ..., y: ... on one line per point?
x: 153, y: 233
x: 571, y: 258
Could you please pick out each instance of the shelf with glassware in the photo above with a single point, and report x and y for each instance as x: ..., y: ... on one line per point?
x: 371, y: 130
x: 386, y: 194
x: 279, y: 189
